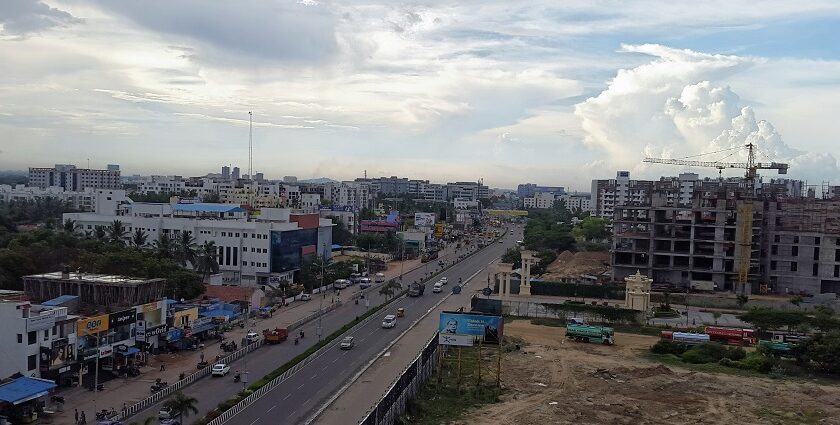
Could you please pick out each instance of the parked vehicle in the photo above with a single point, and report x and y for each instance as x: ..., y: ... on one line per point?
x: 438, y: 287
x: 689, y: 338
x: 416, y: 289
x: 400, y: 312
x: 228, y: 346
x: 389, y: 321
x: 159, y: 385
x: 586, y: 333
x: 305, y: 296
x: 379, y: 278
x: 777, y: 348
x: 732, y: 336
x: 220, y: 369
x: 275, y: 336
x: 347, y: 343
x: 341, y: 284
x: 365, y: 282
x: 444, y: 280
x: 165, y: 413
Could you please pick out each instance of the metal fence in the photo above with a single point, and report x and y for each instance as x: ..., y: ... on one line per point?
x: 392, y: 404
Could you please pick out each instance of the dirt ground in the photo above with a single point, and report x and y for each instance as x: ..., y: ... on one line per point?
x: 556, y: 381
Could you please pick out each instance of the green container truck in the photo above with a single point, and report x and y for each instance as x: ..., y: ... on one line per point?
x: 777, y: 348
x: 587, y: 333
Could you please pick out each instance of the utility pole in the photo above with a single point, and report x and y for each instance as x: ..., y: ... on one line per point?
x: 245, y: 356
x: 321, y: 302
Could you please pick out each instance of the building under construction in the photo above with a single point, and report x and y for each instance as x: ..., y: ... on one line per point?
x: 98, y: 291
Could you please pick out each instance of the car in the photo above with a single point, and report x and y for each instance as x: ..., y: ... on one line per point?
x: 501, y: 241
x: 437, y: 288
x: 250, y: 338
x: 220, y: 369
x: 443, y: 280
x: 305, y: 296
x: 389, y: 321
x: 341, y: 284
x: 519, y: 242
x: 380, y: 277
x: 346, y: 343
x: 169, y: 421
x: 165, y: 412
x: 365, y: 282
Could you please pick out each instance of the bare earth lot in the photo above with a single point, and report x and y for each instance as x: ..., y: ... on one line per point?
x: 555, y: 381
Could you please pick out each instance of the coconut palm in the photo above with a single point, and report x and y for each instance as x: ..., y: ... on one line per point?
x: 185, y: 249
x: 163, y: 246
x: 389, y: 288
x: 71, y: 226
x: 182, y: 405
x: 138, y: 238
x: 117, y: 232
x: 208, y: 256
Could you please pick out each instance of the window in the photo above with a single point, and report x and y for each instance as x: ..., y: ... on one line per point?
x: 796, y: 239
x: 794, y: 266
x: 237, y: 234
x: 816, y: 240
x: 777, y: 239
x: 20, y: 336
x: 816, y: 270
x: 32, y: 361
x: 816, y: 253
x: 774, y: 249
x: 46, y: 335
x: 244, y: 249
x: 772, y: 265
x: 794, y: 251
x: 31, y: 337
x: 245, y: 235
x: 236, y: 256
x: 836, y: 273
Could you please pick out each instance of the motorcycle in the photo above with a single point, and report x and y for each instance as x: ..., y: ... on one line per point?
x: 100, y: 387
x: 237, y: 377
x: 159, y: 385
x: 105, y: 414
x: 57, y: 399
x: 202, y: 365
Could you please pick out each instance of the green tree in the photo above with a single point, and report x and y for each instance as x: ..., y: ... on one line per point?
x: 765, y: 319
x: 212, y: 198
x: 742, y: 300
x: 823, y: 349
x: 185, y: 249
x: 70, y: 225
x: 100, y: 233
x: 367, y: 214
x: 716, y: 315
x: 796, y: 300
x: 163, y: 246
x: 390, y: 288
x: 514, y: 256
x: 592, y: 228
x: 340, y: 234
x: 208, y: 262
x: 138, y: 238
x: 182, y: 404
x: 117, y: 232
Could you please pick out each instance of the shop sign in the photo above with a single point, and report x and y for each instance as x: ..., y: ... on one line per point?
x: 40, y: 322
x: 92, y: 325
x: 157, y: 330
x: 140, y: 329
x: 201, y: 321
x: 147, y: 308
x: 106, y: 351
x: 121, y: 318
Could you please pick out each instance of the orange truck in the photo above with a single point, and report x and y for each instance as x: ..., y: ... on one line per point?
x: 734, y: 336
x: 275, y: 336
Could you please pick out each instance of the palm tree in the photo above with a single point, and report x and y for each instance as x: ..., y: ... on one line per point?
x: 208, y: 256
x: 185, y: 249
x: 182, y: 405
x: 139, y: 237
x: 389, y: 288
x: 100, y: 233
x: 117, y: 232
x: 163, y: 246
x: 71, y: 226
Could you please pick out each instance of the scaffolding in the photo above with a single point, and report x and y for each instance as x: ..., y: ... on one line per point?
x: 110, y: 292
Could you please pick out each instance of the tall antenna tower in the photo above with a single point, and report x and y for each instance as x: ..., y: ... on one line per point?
x: 251, y: 160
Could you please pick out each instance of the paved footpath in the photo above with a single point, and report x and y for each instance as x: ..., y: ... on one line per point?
x: 361, y: 396
x: 120, y: 391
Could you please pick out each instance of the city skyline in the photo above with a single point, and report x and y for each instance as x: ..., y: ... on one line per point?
x: 507, y: 93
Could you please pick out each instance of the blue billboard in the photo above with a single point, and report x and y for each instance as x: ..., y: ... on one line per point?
x: 466, y: 329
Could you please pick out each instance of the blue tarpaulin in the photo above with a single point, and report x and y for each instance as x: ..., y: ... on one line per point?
x: 219, y: 313
x: 24, y: 389
x: 129, y: 352
x: 60, y: 300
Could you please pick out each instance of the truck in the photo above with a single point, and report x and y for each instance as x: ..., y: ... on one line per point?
x: 276, y: 335
x: 429, y: 256
x: 416, y: 289
x: 689, y: 338
x: 587, y: 333
x: 777, y: 348
x: 734, y: 336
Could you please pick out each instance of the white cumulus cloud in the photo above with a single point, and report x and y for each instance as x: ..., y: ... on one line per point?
x: 679, y: 105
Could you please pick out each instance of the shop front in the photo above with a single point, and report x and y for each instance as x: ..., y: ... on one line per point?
x: 24, y: 398
x: 58, y: 362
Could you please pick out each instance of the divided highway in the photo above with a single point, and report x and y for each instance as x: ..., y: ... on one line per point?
x: 296, y: 399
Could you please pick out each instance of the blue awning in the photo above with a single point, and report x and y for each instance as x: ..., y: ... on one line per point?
x: 129, y: 352
x: 218, y: 313
x: 24, y: 389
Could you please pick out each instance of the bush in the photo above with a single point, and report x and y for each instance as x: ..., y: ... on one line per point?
x: 668, y: 347
x: 755, y: 361
x: 712, y: 353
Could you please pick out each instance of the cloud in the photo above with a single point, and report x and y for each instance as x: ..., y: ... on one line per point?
x: 675, y: 106
x: 226, y: 31
x: 24, y: 17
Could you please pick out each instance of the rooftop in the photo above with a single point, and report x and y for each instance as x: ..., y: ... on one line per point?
x: 24, y: 389
x: 108, y: 279
x: 208, y: 207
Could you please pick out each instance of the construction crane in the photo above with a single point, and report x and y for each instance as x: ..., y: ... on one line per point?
x: 745, y: 207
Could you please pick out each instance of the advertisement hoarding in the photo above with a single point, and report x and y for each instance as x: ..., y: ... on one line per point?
x: 122, y: 318
x: 92, y: 325
x: 466, y: 329
x: 439, y: 227
x: 424, y: 219
x: 40, y: 322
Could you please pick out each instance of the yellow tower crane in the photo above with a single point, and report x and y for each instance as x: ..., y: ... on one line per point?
x: 745, y: 208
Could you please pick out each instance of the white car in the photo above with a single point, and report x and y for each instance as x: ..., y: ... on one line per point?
x: 305, y: 296
x: 443, y: 280
x: 379, y: 278
x: 365, y: 282
x: 341, y: 284
x: 389, y: 321
x: 165, y: 413
x: 251, y: 337
x: 220, y: 369
x: 437, y: 288
x: 346, y: 343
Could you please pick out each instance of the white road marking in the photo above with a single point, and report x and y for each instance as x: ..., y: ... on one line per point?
x: 335, y: 360
x: 301, y: 386
x: 271, y: 408
x: 313, y: 377
x: 287, y: 396
x: 255, y: 421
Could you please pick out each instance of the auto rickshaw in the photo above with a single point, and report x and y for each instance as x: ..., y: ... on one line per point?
x: 400, y: 312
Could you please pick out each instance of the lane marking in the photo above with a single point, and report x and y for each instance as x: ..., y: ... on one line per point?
x: 287, y: 396
x: 271, y: 408
x: 255, y: 421
x: 314, y: 376
x: 301, y: 386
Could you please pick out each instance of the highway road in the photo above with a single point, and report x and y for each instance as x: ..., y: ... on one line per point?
x: 296, y: 399
x: 211, y: 391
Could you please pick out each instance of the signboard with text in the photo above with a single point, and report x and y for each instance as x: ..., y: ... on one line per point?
x: 92, y: 325
x: 424, y: 219
x: 466, y: 329
x: 40, y: 322
x: 122, y: 318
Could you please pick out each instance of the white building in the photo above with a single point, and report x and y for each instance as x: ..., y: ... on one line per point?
x: 310, y: 201
x: 87, y: 200
x: 464, y: 204
x: 36, y: 338
x: 348, y: 194
x: 540, y: 200
x: 245, y: 246
x: 163, y: 184
x: 577, y: 201
x: 74, y: 179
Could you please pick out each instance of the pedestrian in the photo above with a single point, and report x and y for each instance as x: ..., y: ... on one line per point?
x: 76, y: 413
x: 162, y: 367
x: 125, y: 408
x: 202, y: 356
x: 83, y: 419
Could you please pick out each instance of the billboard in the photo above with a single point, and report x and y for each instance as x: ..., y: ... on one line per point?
x: 424, y: 219
x: 92, y: 325
x: 465, y: 329
x: 439, y: 227
x: 121, y: 318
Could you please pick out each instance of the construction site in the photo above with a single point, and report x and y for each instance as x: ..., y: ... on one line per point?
x: 552, y: 380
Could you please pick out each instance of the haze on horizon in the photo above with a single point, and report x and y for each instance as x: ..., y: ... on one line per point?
x: 533, y: 91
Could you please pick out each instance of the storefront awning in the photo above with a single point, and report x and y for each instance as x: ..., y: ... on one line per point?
x: 24, y: 389
x: 130, y: 351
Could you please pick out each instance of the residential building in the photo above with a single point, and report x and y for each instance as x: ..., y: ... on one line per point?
x: 348, y: 194
x: 250, y: 251
x: 226, y: 173
x: 163, y: 184
x: 235, y: 174
x: 87, y: 200
x: 465, y: 204
x: 540, y: 200
x: 73, y: 179
x: 582, y: 202
x: 473, y: 191
x: 310, y: 201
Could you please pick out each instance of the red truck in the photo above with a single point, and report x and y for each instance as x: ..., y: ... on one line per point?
x: 734, y: 336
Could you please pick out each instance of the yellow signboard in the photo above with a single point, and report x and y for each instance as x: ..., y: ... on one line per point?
x: 92, y: 325
x: 439, y: 230
x: 517, y: 213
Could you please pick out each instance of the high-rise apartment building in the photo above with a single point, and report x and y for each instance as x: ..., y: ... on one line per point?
x: 74, y: 179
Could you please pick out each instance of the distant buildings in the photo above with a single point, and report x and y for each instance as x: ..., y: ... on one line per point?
x: 73, y: 179
x: 530, y: 189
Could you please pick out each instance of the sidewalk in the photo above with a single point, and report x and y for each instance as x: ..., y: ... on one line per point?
x: 127, y: 391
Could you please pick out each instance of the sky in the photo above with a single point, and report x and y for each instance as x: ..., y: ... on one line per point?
x: 547, y: 92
